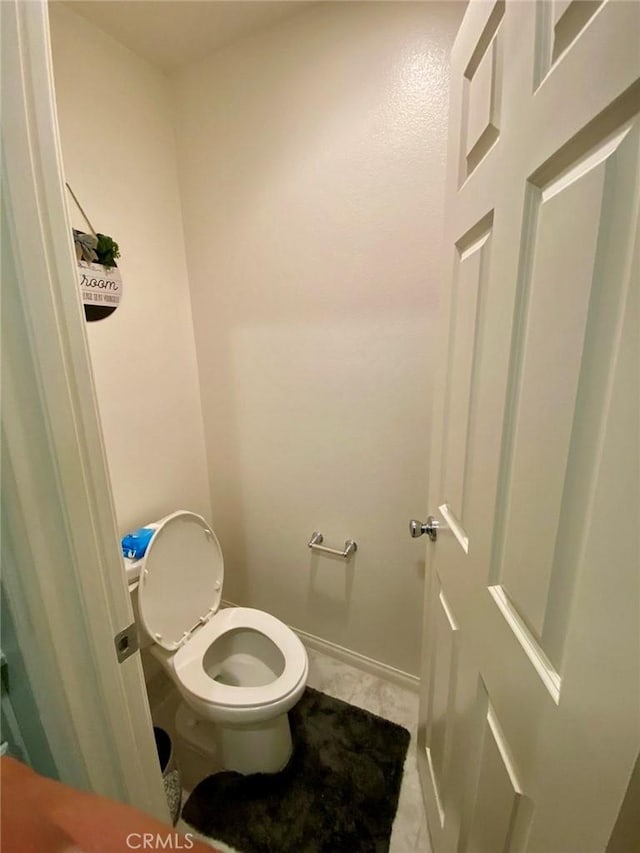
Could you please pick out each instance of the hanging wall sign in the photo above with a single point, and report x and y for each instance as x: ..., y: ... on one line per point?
x: 99, y: 278
x: 99, y: 285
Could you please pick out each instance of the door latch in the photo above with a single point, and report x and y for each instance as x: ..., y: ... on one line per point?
x: 126, y: 642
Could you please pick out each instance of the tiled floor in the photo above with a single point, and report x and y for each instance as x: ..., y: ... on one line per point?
x: 386, y: 699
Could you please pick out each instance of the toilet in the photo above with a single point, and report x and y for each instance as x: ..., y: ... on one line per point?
x: 237, y: 668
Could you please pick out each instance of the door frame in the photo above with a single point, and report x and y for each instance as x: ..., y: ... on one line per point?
x: 62, y: 569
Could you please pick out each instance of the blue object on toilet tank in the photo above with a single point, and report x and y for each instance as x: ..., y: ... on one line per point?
x: 135, y: 544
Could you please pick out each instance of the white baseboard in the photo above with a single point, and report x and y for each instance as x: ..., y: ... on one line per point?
x: 355, y: 659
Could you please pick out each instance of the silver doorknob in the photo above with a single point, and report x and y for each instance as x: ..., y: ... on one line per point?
x: 419, y: 528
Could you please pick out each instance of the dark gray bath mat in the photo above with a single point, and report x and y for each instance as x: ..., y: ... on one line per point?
x: 339, y: 792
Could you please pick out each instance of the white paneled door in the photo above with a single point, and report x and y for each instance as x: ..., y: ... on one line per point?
x: 530, y: 706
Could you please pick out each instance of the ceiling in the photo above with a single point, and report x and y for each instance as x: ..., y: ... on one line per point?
x: 172, y: 33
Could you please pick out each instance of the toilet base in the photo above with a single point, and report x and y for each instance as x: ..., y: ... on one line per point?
x: 198, y: 734
x: 263, y: 747
x: 256, y: 748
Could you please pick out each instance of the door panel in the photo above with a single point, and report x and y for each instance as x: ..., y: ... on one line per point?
x: 468, y: 296
x: 442, y: 693
x: 574, y: 279
x: 531, y: 666
x: 482, y: 94
x: 499, y: 809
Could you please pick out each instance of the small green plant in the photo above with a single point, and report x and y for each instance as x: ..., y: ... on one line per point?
x: 107, y: 250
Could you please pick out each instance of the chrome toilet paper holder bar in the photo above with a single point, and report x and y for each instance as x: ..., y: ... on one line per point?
x: 315, y: 543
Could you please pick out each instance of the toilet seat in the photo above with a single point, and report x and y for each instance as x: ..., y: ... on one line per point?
x: 189, y: 669
x: 181, y: 576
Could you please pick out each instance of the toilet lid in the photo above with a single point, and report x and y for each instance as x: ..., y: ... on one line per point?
x: 180, y: 579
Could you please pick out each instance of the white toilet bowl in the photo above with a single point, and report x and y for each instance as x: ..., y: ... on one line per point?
x: 240, y: 668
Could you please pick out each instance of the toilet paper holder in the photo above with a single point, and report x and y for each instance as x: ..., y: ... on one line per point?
x: 315, y: 543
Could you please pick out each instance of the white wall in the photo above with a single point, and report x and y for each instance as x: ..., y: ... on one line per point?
x: 119, y: 156
x: 312, y: 159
